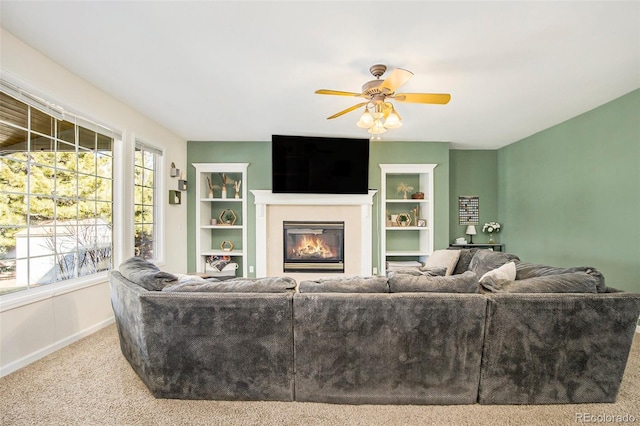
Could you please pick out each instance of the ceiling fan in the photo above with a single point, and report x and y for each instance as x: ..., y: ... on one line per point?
x: 378, y: 93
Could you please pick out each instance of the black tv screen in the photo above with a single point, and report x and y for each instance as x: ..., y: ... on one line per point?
x: 319, y: 165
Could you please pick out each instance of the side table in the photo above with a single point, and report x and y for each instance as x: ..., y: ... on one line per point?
x: 496, y: 247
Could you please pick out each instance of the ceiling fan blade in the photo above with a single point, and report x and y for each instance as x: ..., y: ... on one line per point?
x: 397, y: 78
x: 348, y: 110
x: 336, y: 92
x: 423, y: 98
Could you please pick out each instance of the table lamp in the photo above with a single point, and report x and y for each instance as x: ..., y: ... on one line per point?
x: 471, y: 231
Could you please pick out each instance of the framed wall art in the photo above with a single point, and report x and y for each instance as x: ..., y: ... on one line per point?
x: 468, y: 210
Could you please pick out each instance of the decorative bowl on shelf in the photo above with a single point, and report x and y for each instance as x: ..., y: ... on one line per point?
x: 418, y: 196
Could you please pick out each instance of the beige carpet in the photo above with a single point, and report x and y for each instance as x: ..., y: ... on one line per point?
x: 90, y: 383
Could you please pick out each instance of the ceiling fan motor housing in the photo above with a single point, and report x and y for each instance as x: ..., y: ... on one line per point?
x: 372, y: 88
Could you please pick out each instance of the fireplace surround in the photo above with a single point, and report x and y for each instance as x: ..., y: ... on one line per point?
x: 355, y: 210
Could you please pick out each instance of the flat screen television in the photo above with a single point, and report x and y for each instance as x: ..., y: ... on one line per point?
x: 319, y: 165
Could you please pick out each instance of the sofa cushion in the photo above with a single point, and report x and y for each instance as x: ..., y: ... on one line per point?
x: 526, y: 270
x: 236, y: 285
x: 436, y: 271
x: 443, y: 258
x: 407, y: 283
x: 506, y: 272
x: 356, y: 284
x: 465, y: 259
x: 486, y: 260
x: 574, y: 282
x: 146, y: 274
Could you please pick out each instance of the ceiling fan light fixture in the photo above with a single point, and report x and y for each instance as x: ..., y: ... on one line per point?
x: 366, y: 120
x: 377, y: 128
x: 393, y: 120
x: 380, y: 114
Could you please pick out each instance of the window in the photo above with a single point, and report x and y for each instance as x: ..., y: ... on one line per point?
x: 146, y: 212
x: 56, y: 197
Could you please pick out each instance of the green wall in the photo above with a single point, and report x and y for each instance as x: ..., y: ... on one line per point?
x: 258, y: 154
x: 566, y: 196
x: 473, y: 172
x: 570, y: 195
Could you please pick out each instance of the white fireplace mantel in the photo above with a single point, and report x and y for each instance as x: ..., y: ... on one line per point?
x: 265, y: 198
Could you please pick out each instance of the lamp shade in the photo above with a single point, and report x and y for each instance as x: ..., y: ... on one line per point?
x: 392, y: 121
x: 471, y: 230
x: 366, y: 120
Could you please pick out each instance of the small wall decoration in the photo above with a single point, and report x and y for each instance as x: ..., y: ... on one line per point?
x: 174, y: 172
x: 175, y: 197
x: 182, y: 182
x: 468, y: 210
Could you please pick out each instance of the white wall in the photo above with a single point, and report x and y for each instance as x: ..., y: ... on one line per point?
x: 32, y: 330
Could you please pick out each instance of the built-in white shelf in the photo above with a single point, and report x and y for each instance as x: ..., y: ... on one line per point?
x: 210, y: 237
x: 409, y: 242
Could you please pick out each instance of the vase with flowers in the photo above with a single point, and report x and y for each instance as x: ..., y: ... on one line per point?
x: 491, y: 228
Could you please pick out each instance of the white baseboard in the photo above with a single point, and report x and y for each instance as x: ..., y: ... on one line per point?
x: 24, y: 361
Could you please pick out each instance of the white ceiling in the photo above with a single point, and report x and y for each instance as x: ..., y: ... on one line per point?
x: 242, y: 71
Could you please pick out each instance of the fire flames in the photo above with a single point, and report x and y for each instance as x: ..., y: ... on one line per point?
x: 312, y: 246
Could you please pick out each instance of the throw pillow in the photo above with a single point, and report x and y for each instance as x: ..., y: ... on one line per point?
x: 506, y: 272
x: 146, y: 274
x: 465, y: 259
x: 443, y: 258
x: 425, y: 270
x: 486, y: 260
x: 373, y: 284
x: 237, y: 285
x: 575, y: 282
x: 405, y: 283
x: 529, y: 270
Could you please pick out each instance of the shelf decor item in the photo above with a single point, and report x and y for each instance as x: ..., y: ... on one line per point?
x: 226, y: 245
x: 228, y: 217
x: 225, y: 181
x: 418, y: 195
x: 490, y: 228
x: 404, y: 188
x: 236, y: 185
x: 404, y: 219
x: 421, y: 223
x: 211, y: 187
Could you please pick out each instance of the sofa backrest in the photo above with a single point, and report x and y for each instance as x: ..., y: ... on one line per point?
x: 405, y: 348
x: 556, y: 348
x: 235, y: 346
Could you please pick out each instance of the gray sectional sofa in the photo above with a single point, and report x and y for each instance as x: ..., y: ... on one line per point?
x: 532, y: 335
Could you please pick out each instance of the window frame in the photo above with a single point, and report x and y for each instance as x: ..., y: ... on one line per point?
x: 158, y: 204
x: 35, y: 101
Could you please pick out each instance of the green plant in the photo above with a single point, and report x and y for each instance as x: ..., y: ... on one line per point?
x: 404, y: 218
